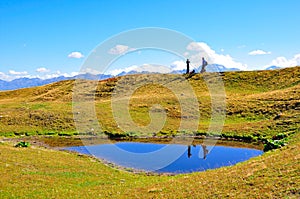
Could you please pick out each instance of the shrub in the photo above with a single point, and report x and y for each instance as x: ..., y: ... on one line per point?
x: 274, y: 144
x: 23, y: 144
x: 65, y: 134
x: 50, y: 133
x: 279, y: 136
x: 30, y: 133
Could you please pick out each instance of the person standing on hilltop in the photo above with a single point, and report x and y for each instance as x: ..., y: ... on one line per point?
x: 190, y: 74
x: 187, y: 66
x: 204, y: 64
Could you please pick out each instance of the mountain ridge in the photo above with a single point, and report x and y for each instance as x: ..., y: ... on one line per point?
x: 33, y: 82
x: 256, y: 96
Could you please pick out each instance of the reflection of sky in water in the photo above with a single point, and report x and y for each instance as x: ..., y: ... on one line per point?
x: 168, y: 158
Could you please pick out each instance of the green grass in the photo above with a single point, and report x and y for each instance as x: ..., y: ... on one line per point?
x: 43, y: 173
x: 253, y: 100
x: 260, y: 106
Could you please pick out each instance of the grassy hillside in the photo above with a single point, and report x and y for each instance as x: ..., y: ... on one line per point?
x: 253, y: 100
x: 34, y: 173
x: 259, y: 105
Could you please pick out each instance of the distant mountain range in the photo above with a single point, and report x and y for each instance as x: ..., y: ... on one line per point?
x: 273, y: 68
x: 209, y: 68
x: 219, y: 68
x: 32, y: 82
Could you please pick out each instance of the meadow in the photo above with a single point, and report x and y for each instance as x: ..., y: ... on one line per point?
x: 261, y: 107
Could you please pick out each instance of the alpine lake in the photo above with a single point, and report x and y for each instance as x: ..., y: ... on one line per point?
x: 162, y: 156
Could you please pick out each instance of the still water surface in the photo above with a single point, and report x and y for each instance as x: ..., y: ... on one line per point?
x: 168, y: 158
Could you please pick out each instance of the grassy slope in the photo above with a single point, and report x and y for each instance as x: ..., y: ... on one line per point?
x: 253, y: 100
x: 35, y: 173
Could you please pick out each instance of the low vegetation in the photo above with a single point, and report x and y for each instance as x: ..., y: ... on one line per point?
x: 43, y: 173
x: 261, y: 106
x: 23, y: 144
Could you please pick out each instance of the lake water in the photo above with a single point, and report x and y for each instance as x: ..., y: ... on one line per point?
x: 168, y: 158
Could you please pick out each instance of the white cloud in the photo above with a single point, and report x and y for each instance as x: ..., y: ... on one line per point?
x: 284, y: 62
x: 119, y: 50
x: 195, y: 52
x: 90, y: 71
x: 259, y: 52
x: 186, y: 54
x: 195, y: 46
x: 212, y: 56
x: 57, y: 74
x: 152, y: 68
x: 10, y: 77
x: 42, y: 70
x: 72, y: 74
x: 178, y: 65
x: 4, y: 76
x: 76, y: 55
x: 49, y: 76
x: 12, y: 72
x: 118, y: 71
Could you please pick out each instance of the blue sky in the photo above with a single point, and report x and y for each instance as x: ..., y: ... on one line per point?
x: 37, y: 37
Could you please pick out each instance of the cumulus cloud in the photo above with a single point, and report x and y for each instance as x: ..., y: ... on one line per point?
x: 4, y: 76
x: 151, y: 68
x: 178, y: 65
x: 72, y: 74
x: 90, y: 71
x: 42, y: 70
x: 76, y: 55
x: 12, y: 72
x: 10, y: 77
x: 201, y: 48
x: 196, y: 46
x: 118, y: 71
x: 195, y: 51
x: 284, y: 62
x: 58, y: 74
x: 259, y: 52
x: 119, y: 49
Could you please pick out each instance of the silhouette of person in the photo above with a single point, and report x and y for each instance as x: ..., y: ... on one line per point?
x: 205, y: 151
x: 189, y: 151
x: 187, y: 66
x: 204, y: 64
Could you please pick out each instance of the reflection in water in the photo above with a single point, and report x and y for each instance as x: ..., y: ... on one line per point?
x: 189, y: 151
x: 204, y: 149
x: 136, y: 155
